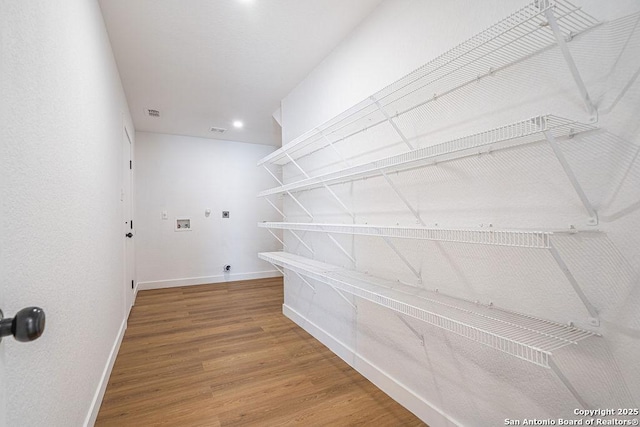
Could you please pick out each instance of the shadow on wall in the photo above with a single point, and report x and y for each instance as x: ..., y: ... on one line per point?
x: 521, y: 187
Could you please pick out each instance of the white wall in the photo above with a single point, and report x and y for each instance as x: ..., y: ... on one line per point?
x: 451, y: 378
x: 61, y: 123
x: 184, y: 176
x: 397, y: 38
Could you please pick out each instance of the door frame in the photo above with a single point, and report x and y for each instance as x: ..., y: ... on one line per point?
x: 129, y: 243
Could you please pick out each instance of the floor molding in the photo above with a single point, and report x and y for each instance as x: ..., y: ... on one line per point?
x: 188, y: 281
x: 397, y: 391
x: 104, y: 380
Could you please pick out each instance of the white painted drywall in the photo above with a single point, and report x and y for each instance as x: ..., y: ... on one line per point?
x: 62, y: 112
x: 184, y: 176
x: 523, y: 188
x: 397, y: 38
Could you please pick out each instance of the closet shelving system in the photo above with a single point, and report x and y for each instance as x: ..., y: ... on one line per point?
x: 533, y: 29
x: 525, y: 337
x: 547, y: 127
x: 512, y: 238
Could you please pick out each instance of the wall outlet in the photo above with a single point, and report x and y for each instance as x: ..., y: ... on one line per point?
x: 183, y: 224
x: 226, y: 268
x: 225, y: 214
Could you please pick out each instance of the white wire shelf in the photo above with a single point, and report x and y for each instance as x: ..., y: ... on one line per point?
x: 522, y: 239
x: 515, y: 38
x: 521, y: 336
x: 515, y: 134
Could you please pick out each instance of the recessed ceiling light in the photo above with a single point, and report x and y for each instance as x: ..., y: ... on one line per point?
x: 237, y: 124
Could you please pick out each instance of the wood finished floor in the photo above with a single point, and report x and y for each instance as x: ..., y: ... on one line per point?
x: 224, y: 354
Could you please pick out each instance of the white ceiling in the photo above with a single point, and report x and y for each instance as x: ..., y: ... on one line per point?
x: 205, y: 63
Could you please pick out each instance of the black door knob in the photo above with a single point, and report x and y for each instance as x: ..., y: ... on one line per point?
x: 27, y: 325
x: 129, y: 235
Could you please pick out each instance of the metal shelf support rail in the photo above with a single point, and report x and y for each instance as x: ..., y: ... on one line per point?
x: 531, y: 30
x: 290, y: 195
x: 333, y: 194
x: 411, y: 328
x: 277, y: 238
x: 562, y: 44
x: 276, y: 208
x: 524, y: 337
x: 406, y: 202
x: 520, y: 239
x: 303, y: 242
x: 406, y: 262
x: 392, y: 123
x: 594, y: 320
x: 593, y: 215
x: 305, y: 281
x: 342, y: 249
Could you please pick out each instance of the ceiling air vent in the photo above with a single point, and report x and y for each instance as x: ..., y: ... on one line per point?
x: 217, y: 130
x: 152, y: 113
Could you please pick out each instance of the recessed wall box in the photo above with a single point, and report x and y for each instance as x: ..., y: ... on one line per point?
x: 183, y: 224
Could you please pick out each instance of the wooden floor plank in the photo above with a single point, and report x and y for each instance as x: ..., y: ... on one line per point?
x: 225, y: 355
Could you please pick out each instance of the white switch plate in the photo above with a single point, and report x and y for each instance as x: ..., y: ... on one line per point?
x: 165, y: 215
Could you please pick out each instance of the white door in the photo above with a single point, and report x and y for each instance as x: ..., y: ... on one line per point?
x: 127, y: 219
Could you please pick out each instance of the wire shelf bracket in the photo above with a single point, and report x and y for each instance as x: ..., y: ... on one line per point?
x: 287, y: 192
x: 567, y: 384
x: 277, y: 238
x: 593, y: 215
x: 575, y: 73
x: 594, y: 320
x: 305, y: 281
x: 338, y: 153
x: 406, y: 202
x: 276, y: 208
x: 342, y: 249
x: 302, y: 241
x: 392, y: 123
x: 343, y: 296
x: 411, y: 328
x: 281, y: 270
x: 403, y: 258
x: 333, y: 194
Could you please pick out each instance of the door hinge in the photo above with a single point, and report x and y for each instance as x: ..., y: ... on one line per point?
x: 130, y: 164
x: 132, y: 284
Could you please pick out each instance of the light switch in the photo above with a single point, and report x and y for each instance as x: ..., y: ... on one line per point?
x: 165, y: 215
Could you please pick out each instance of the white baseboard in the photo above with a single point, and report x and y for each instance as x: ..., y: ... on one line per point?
x: 188, y: 281
x: 424, y: 410
x: 90, y: 420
